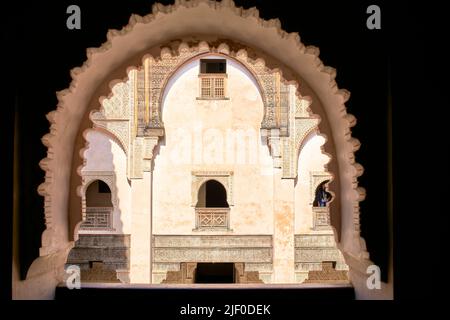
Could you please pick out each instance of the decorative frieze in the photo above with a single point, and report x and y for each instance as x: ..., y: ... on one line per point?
x: 212, y: 241
x: 316, y: 254
x: 315, y: 241
x: 172, y: 249
x: 212, y: 254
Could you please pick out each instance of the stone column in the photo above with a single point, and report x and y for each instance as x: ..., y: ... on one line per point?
x: 283, y: 233
x: 141, y: 207
x: 283, y: 216
x: 141, y: 230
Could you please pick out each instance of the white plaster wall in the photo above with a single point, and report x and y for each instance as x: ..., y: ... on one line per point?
x: 198, y: 139
x: 310, y: 159
x: 104, y: 154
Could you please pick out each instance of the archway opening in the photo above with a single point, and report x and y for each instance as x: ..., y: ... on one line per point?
x: 98, y: 194
x: 215, y: 273
x: 212, y: 194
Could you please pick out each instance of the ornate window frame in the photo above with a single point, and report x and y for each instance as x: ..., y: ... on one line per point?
x: 212, y: 214
x: 200, y: 177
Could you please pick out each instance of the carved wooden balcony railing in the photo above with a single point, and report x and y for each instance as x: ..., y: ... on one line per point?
x: 98, y: 218
x: 212, y: 218
x: 321, y: 217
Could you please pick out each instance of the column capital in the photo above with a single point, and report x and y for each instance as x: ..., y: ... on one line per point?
x: 141, y: 157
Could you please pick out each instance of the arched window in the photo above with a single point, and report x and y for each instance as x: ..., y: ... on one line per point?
x: 98, y: 206
x: 212, y: 209
x: 212, y: 194
x: 322, y: 197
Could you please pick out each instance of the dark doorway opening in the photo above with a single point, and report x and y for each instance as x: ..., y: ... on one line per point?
x: 214, y: 273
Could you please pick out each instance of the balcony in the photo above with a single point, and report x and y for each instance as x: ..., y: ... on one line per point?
x: 212, y: 218
x: 98, y: 218
x: 321, y: 217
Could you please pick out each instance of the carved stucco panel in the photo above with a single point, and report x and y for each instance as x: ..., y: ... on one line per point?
x: 212, y: 254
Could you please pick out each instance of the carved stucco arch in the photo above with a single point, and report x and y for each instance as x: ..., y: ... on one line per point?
x: 111, y: 135
x: 169, y: 61
x: 185, y: 18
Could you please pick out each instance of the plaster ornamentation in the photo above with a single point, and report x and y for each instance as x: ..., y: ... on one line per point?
x: 115, y: 112
x: 172, y: 250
